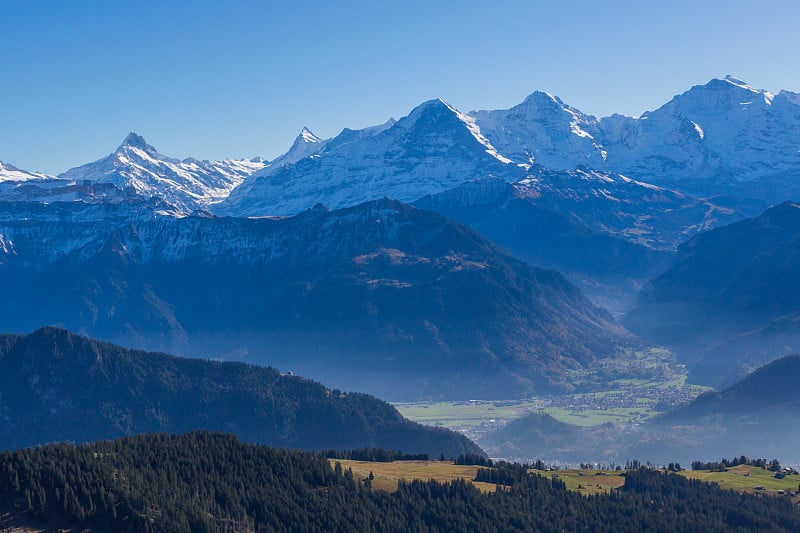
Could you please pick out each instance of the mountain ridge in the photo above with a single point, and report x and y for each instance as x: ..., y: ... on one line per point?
x: 433, y: 148
x: 720, y: 138
x: 58, y: 386
x: 189, y: 184
x: 380, y: 296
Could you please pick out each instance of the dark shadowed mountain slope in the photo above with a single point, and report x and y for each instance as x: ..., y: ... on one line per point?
x: 56, y: 386
x: 608, y: 269
x: 381, y: 297
x: 731, y: 301
x: 758, y: 416
x: 540, y: 436
x: 636, y: 211
x: 769, y: 392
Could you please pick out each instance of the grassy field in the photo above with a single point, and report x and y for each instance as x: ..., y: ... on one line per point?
x: 746, y: 479
x: 388, y: 474
x: 465, y: 413
x: 739, y: 478
x: 466, y: 417
x: 596, y: 417
x: 587, y: 482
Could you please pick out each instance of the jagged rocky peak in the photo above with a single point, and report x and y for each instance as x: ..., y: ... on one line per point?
x: 306, y: 135
x: 434, y: 113
x: 305, y: 145
x: 188, y: 185
x: 134, y: 140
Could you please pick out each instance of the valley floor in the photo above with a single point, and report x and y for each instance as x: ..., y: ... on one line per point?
x: 627, y: 389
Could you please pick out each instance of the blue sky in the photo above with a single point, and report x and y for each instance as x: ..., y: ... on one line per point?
x: 240, y: 79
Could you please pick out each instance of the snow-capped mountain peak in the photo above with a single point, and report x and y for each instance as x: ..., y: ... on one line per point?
x: 134, y: 140
x: 538, y: 99
x: 543, y: 130
x: 428, y: 110
x: 739, y: 83
x: 189, y: 184
x: 438, y: 113
x: 433, y: 148
x: 307, y: 136
x: 736, y: 82
x: 305, y: 145
x: 726, y: 99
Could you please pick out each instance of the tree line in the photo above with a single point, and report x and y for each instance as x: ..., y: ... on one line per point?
x: 213, y: 482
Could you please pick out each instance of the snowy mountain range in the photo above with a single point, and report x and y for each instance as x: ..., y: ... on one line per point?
x: 722, y: 138
x: 9, y: 173
x: 431, y: 150
x: 135, y: 168
x: 187, y: 184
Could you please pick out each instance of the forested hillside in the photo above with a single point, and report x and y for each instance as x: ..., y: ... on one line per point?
x: 57, y: 386
x: 212, y: 482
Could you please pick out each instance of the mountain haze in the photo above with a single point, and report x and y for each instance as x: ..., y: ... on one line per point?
x: 609, y: 269
x: 757, y: 417
x: 729, y: 304
x: 381, y: 297
x: 57, y: 386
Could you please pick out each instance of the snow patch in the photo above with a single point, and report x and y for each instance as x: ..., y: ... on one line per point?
x: 698, y: 129
x: 640, y: 183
